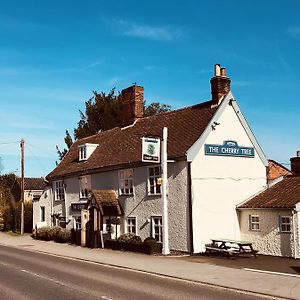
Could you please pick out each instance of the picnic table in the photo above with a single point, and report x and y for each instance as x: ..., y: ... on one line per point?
x: 230, y: 247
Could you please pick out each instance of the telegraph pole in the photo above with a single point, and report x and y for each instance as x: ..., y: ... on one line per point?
x: 164, y: 166
x: 22, y: 142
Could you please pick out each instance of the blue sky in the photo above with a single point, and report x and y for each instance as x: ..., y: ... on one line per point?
x: 54, y: 54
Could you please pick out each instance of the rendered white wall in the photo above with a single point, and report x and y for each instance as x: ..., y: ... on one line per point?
x: 45, y: 200
x: 219, y: 183
x: 269, y: 240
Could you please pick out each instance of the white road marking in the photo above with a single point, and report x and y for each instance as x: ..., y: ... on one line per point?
x: 274, y: 273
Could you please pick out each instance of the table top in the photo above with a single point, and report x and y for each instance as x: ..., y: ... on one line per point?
x: 245, y: 243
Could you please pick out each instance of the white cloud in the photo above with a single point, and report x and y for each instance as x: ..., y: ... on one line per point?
x: 159, y: 33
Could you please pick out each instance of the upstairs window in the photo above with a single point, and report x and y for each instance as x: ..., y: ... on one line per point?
x: 285, y: 224
x: 126, y: 182
x: 59, y: 191
x: 154, y: 182
x: 254, y: 223
x: 84, y: 186
x: 86, y: 150
x: 82, y: 153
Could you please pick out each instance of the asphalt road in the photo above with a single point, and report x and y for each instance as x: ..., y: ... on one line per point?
x: 36, y: 276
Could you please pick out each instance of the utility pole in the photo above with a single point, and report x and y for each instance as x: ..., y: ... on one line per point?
x: 22, y: 142
x: 164, y: 195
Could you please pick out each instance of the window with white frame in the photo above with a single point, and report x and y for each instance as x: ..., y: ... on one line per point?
x: 285, y: 224
x: 42, y: 214
x: 154, y: 175
x: 157, y: 228
x: 131, y: 225
x: 82, y: 152
x: 59, y: 192
x: 126, y: 182
x: 78, y: 223
x: 254, y: 223
x: 83, y: 193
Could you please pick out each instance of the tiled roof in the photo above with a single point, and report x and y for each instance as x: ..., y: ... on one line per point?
x: 32, y: 183
x: 276, y: 170
x: 284, y: 194
x: 122, y: 147
x: 108, y: 202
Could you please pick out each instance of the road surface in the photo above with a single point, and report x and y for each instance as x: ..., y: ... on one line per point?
x: 36, y: 276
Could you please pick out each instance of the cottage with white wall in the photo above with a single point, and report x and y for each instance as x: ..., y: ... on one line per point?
x: 271, y: 219
x: 215, y: 163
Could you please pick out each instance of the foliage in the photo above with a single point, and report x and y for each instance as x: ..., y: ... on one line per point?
x: 156, y: 108
x: 150, y: 240
x: 102, y: 112
x: 129, y: 238
x: 56, y: 233
x: 6, y: 182
x: 16, y: 212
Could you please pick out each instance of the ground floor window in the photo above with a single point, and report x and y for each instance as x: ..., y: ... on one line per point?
x: 157, y: 228
x: 62, y: 222
x: 78, y: 223
x: 131, y: 225
x: 285, y: 224
x: 42, y: 214
x: 254, y: 222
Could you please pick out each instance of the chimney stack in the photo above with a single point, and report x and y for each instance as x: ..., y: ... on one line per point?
x: 220, y: 84
x: 132, y: 104
x: 295, y: 163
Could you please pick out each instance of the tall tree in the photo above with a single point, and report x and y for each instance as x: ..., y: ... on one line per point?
x: 102, y: 112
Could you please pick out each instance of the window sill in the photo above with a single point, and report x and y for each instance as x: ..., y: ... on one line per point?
x: 126, y: 195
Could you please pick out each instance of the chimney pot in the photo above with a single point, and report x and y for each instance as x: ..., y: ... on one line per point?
x: 223, y: 72
x: 217, y: 70
x: 298, y: 153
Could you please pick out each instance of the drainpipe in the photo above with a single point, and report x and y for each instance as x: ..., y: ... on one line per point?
x: 294, y: 233
x: 189, y: 196
x: 66, y: 212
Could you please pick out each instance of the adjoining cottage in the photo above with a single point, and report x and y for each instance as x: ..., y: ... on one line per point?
x: 215, y: 163
x: 271, y: 219
x: 33, y: 189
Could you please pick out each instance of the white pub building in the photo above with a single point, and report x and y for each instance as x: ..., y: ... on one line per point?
x: 215, y: 164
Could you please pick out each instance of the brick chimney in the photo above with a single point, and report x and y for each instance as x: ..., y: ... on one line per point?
x: 132, y: 104
x: 295, y: 163
x: 220, y: 84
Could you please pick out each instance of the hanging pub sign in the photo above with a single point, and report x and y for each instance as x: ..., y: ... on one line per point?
x: 229, y: 148
x: 151, y: 150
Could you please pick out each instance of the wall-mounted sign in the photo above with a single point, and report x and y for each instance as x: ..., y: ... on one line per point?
x: 229, y: 148
x: 151, y: 150
x: 78, y: 206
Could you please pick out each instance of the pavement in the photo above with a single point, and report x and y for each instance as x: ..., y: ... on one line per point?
x: 280, y: 285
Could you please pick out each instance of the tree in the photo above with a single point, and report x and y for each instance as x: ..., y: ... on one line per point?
x: 102, y: 112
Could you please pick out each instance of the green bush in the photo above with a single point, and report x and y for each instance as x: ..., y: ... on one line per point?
x: 150, y: 240
x: 56, y: 233
x: 129, y: 238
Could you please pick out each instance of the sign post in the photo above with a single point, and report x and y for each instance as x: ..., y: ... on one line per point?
x: 164, y: 167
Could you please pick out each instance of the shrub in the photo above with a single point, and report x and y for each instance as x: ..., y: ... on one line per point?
x: 129, y: 238
x: 63, y: 236
x: 56, y: 233
x: 150, y: 240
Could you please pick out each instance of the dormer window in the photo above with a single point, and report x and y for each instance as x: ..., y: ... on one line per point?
x: 82, y: 152
x: 86, y: 150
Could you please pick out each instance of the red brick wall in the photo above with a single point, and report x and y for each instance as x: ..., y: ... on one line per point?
x: 132, y: 104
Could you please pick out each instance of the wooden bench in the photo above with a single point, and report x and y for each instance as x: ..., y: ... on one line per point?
x: 230, y: 247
